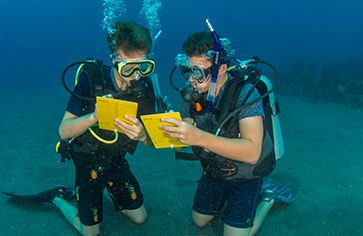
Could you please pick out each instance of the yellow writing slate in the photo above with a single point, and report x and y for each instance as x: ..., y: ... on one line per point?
x: 109, y: 109
x: 159, y: 139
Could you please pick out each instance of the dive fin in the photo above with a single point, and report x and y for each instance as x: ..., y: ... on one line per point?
x: 63, y: 191
x: 280, y: 193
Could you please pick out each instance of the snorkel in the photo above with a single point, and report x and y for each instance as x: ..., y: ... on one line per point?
x: 216, y: 53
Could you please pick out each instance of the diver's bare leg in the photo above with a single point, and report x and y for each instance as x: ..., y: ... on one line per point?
x: 70, y: 213
x: 261, y: 212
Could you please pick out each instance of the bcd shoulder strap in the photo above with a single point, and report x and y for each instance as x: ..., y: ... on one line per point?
x: 229, y: 100
x: 96, y: 76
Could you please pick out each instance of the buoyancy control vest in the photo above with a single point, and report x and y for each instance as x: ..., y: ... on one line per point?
x: 140, y: 91
x: 272, y: 148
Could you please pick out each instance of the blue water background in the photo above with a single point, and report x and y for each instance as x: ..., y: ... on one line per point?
x: 39, y: 38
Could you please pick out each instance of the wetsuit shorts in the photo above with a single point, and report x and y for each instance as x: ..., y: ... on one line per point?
x: 238, y: 198
x: 92, y: 179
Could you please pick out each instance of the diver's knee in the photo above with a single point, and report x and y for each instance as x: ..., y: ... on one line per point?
x: 201, y: 220
x: 199, y: 223
x: 93, y: 230
x: 138, y: 216
x: 140, y: 219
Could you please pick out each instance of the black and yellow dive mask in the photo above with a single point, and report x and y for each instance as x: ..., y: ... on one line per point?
x: 136, y: 68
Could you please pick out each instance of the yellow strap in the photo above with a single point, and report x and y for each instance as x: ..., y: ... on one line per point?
x: 57, y: 146
x: 104, y: 140
x: 89, y: 129
x: 231, y: 68
x: 77, y: 74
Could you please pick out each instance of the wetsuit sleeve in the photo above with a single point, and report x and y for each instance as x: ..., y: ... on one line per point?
x: 75, y: 104
x: 254, y: 110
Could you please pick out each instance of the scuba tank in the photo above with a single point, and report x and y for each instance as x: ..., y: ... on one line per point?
x: 279, y: 147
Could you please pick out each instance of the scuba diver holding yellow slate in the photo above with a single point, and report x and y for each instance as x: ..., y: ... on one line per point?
x: 230, y: 118
x: 99, y: 155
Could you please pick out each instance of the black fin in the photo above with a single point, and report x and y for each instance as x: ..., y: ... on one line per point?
x: 62, y: 191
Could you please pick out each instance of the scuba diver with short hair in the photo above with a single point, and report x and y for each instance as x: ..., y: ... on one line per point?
x: 224, y: 121
x: 99, y: 155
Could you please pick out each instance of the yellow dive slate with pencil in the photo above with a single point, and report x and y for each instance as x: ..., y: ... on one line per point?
x: 109, y: 109
x: 159, y: 139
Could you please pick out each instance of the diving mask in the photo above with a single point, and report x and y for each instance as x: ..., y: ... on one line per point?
x: 196, y: 73
x: 129, y: 68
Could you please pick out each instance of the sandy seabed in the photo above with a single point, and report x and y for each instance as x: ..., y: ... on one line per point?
x: 324, y: 148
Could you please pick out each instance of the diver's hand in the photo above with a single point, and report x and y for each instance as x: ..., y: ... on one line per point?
x: 94, y: 115
x: 186, y: 132
x: 134, y: 131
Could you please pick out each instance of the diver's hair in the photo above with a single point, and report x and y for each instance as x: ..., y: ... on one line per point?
x: 199, y: 43
x: 130, y: 37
